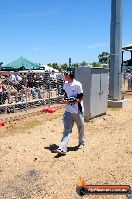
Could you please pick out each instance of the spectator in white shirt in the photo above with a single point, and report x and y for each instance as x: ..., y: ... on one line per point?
x: 15, y: 77
x: 53, y: 79
x: 16, y: 80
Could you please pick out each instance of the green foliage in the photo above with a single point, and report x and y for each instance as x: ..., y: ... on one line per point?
x: 95, y: 64
x: 54, y: 65
x: 106, y: 66
x: 64, y: 66
x: 50, y: 65
x: 84, y: 63
x: 104, y: 58
x: 75, y: 65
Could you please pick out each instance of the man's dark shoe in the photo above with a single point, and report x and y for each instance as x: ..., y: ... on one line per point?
x: 80, y: 146
x: 59, y: 151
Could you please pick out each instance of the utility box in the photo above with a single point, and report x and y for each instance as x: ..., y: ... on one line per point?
x: 95, y: 87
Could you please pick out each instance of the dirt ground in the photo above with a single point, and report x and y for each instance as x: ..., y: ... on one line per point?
x: 28, y: 169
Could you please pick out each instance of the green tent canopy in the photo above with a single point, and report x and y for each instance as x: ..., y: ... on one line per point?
x: 21, y: 64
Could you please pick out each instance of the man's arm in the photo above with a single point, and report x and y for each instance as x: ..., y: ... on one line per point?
x: 79, y: 97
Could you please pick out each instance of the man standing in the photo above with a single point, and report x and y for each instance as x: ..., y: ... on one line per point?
x: 73, y: 98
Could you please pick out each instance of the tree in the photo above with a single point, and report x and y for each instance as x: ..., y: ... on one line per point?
x: 64, y: 66
x: 84, y: 63
x: 75, y: 65
x: 55, y: 66
x: 50, y: 65
x: 104, y: 58
x: 95, y: 64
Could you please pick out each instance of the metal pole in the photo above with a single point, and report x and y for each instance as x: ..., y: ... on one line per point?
x: 122, y: 56
x: 131, y: 54
x: 26, y: 93
x: 49, y: 89
x: 115, y: 78
x: 70, y: 62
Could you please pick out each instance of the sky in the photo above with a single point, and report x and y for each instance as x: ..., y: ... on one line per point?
x: 51, y: 31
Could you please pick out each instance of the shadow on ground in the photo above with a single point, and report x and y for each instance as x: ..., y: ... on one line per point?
x: 53, y: 148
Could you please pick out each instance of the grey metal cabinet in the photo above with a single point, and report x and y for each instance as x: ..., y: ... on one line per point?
x: 95, y: 86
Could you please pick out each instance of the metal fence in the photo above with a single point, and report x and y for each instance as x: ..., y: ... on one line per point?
x: 29, y: 89
x: 23, y: 90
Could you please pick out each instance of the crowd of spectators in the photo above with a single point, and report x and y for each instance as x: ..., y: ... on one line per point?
x: 19, y: 86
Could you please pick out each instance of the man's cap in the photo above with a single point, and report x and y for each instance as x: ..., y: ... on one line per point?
x: 70, y: 71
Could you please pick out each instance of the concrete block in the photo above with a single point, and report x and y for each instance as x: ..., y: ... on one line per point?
x: 117, y: 104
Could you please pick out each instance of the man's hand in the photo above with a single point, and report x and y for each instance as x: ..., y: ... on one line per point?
x: 65, y: 101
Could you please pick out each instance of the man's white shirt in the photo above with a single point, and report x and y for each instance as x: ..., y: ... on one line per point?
x: 72, y: 89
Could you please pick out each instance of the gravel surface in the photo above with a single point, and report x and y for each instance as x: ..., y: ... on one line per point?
x: 28, y: 169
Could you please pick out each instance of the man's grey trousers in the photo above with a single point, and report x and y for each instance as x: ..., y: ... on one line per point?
x: 69, y: 119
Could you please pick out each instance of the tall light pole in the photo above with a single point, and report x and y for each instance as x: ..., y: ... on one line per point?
x: 115, y: 78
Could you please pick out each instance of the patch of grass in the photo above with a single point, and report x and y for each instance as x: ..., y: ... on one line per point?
x: 22, y: 124
x: 31, y: 124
